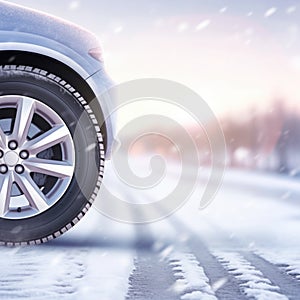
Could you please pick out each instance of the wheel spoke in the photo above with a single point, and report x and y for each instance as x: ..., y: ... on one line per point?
x: 50, y: 138
x: 5, y: 192
x: 2, y: 139
x: 25, y: 112
x: 54, y: 168
x: 31, y: 191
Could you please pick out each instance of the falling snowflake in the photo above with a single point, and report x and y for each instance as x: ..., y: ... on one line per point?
x: 74, y: 5
x: 290, y: 9
x: 118, y: 29
x: 182, y: 27
x: 222, y: 10
x: 202, y: 25
x: 271, y: 11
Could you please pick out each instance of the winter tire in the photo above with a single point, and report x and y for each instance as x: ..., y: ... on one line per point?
x: 51, y: 155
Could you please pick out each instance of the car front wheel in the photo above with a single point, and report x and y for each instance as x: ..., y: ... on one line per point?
x: 51, y: 155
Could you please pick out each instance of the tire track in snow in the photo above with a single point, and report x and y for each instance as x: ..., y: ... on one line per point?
x: 225, y: 285
x: 286, y: 260
x: 253, y: 282
x: 229, y: 289
x: 191, y: 281
x: 151, y: 278
x: 287, y: 284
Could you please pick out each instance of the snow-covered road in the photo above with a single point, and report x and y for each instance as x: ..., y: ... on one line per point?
x: 244, y: 245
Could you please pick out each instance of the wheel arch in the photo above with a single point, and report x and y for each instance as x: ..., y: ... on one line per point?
x: 51, y: 65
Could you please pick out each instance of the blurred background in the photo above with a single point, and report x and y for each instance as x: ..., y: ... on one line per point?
x: 241, y: 57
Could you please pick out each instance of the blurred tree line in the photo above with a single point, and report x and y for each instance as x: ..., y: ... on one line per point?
x: 257, y: 139
x: 266, y: 140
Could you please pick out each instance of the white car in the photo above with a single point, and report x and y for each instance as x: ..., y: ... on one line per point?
x: 55, y: 129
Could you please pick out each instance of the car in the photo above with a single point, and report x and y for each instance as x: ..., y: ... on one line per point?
x: 55, y: 128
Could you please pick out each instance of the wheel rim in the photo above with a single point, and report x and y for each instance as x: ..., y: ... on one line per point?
x: 37, y: 157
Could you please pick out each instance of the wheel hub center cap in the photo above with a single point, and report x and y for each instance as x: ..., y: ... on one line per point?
x: 11, y: 158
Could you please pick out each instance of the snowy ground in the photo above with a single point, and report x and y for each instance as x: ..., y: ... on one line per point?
x: 244, y: 245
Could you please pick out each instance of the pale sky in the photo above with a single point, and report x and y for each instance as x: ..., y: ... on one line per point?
x: 235, y: 54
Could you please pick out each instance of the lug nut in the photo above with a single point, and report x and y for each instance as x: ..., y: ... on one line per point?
x: 19, y: 169
x: 3, y: 169
x: 1, y: 153
x: 24, y: 154
x: 13, y: 145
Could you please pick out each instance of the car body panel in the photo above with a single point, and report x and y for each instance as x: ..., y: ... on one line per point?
x: 23, y: 29
x: 29, y: 26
